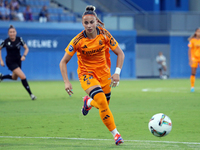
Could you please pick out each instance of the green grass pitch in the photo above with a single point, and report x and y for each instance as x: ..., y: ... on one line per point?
x: 54, y: 120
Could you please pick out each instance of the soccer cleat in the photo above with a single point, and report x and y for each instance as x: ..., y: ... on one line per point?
x: 85, y: 108
x: 118, y: 139
x: 192, y: 89
x: 1, y: 77
x: 33, y: 97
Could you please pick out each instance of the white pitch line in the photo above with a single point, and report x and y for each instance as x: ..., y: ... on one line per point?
x: 89, y: 139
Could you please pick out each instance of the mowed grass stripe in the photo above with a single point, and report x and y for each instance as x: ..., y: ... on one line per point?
x: 90, y: 139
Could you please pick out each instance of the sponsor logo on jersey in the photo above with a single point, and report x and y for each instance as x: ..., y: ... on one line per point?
x: 92, y: 51
x: 70, y: 48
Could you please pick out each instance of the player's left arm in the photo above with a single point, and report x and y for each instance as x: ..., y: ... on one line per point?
x: 120, y: 60
x: 26, y: 50
x: 120, y: 57
x: 1, y: 60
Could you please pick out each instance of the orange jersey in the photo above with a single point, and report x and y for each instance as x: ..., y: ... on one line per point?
x: 194, y: 44
x: 93, y: 54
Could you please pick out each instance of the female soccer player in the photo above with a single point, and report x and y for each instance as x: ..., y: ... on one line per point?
x: 92, y: 47
x: 13, y: 59
x: 194, y: 55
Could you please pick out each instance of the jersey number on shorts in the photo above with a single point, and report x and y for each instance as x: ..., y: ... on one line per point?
x: 86, y: 78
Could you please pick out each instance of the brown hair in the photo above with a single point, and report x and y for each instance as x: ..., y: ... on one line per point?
x: 193, y: 35
x: 11, y: 27
x: 90, y: 10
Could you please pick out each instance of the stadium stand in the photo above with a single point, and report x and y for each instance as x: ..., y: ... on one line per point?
x: 112, y: 6
x: 56, y: 12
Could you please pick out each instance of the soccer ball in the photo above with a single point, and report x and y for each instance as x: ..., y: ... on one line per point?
x: 160, y: 125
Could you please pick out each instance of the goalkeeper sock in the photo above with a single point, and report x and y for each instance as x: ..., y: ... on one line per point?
x: 6, y: 77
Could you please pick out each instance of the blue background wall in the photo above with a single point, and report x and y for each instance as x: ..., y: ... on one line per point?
x: 163, y: 5
x: 46, y: 49
x: 179, y: 62
x: 47, y: 44
x: 174, y: 5
x: 179, y: 57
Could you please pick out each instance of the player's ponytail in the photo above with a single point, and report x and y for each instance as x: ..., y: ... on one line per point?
x: 11, y: 27
x: 193, y: 35
x: 90, y: 10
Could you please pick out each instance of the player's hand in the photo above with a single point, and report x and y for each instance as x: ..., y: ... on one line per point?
x: 23, y: 58
x: 2, y: 63
x: 114, y: 80
x: 190, y: 62
x: 68, y: 88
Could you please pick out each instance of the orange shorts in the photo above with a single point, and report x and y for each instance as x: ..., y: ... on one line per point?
x: 90, y: 80
x: 195, y: 63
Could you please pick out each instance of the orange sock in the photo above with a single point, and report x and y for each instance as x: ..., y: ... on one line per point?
x: 94, y: 104
x: 192, y: 80
x: 104, y: 111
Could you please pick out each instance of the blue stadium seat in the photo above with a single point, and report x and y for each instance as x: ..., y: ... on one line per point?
x: 54, y: 18
x: 52, y: 10
x: 67, y: 17
x: 47, y: 3
x: 21, y: 9
x: 35, y: 17
x: 59, y: 10
x: 55, y: 14
x: 35, y: 10
x: 38, y: 2
x: 31, y: 3
x: 62, y: 17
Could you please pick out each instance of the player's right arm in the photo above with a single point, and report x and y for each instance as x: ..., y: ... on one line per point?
x: 63, y: 68
x: 1, y: 60
x: 189, y: 52
x: 70, y: 51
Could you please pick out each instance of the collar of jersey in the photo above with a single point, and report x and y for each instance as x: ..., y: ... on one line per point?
x: 85, y: 35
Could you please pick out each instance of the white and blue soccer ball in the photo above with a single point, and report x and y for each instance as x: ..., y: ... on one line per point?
x: 160, y: 125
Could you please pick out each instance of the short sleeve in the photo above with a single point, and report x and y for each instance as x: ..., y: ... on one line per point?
x: 111, y: 41
x: 22, y: 43
x: 164, y: 58
x: 2, y: 44
x: 190, y: 44
x: 71, y: 48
